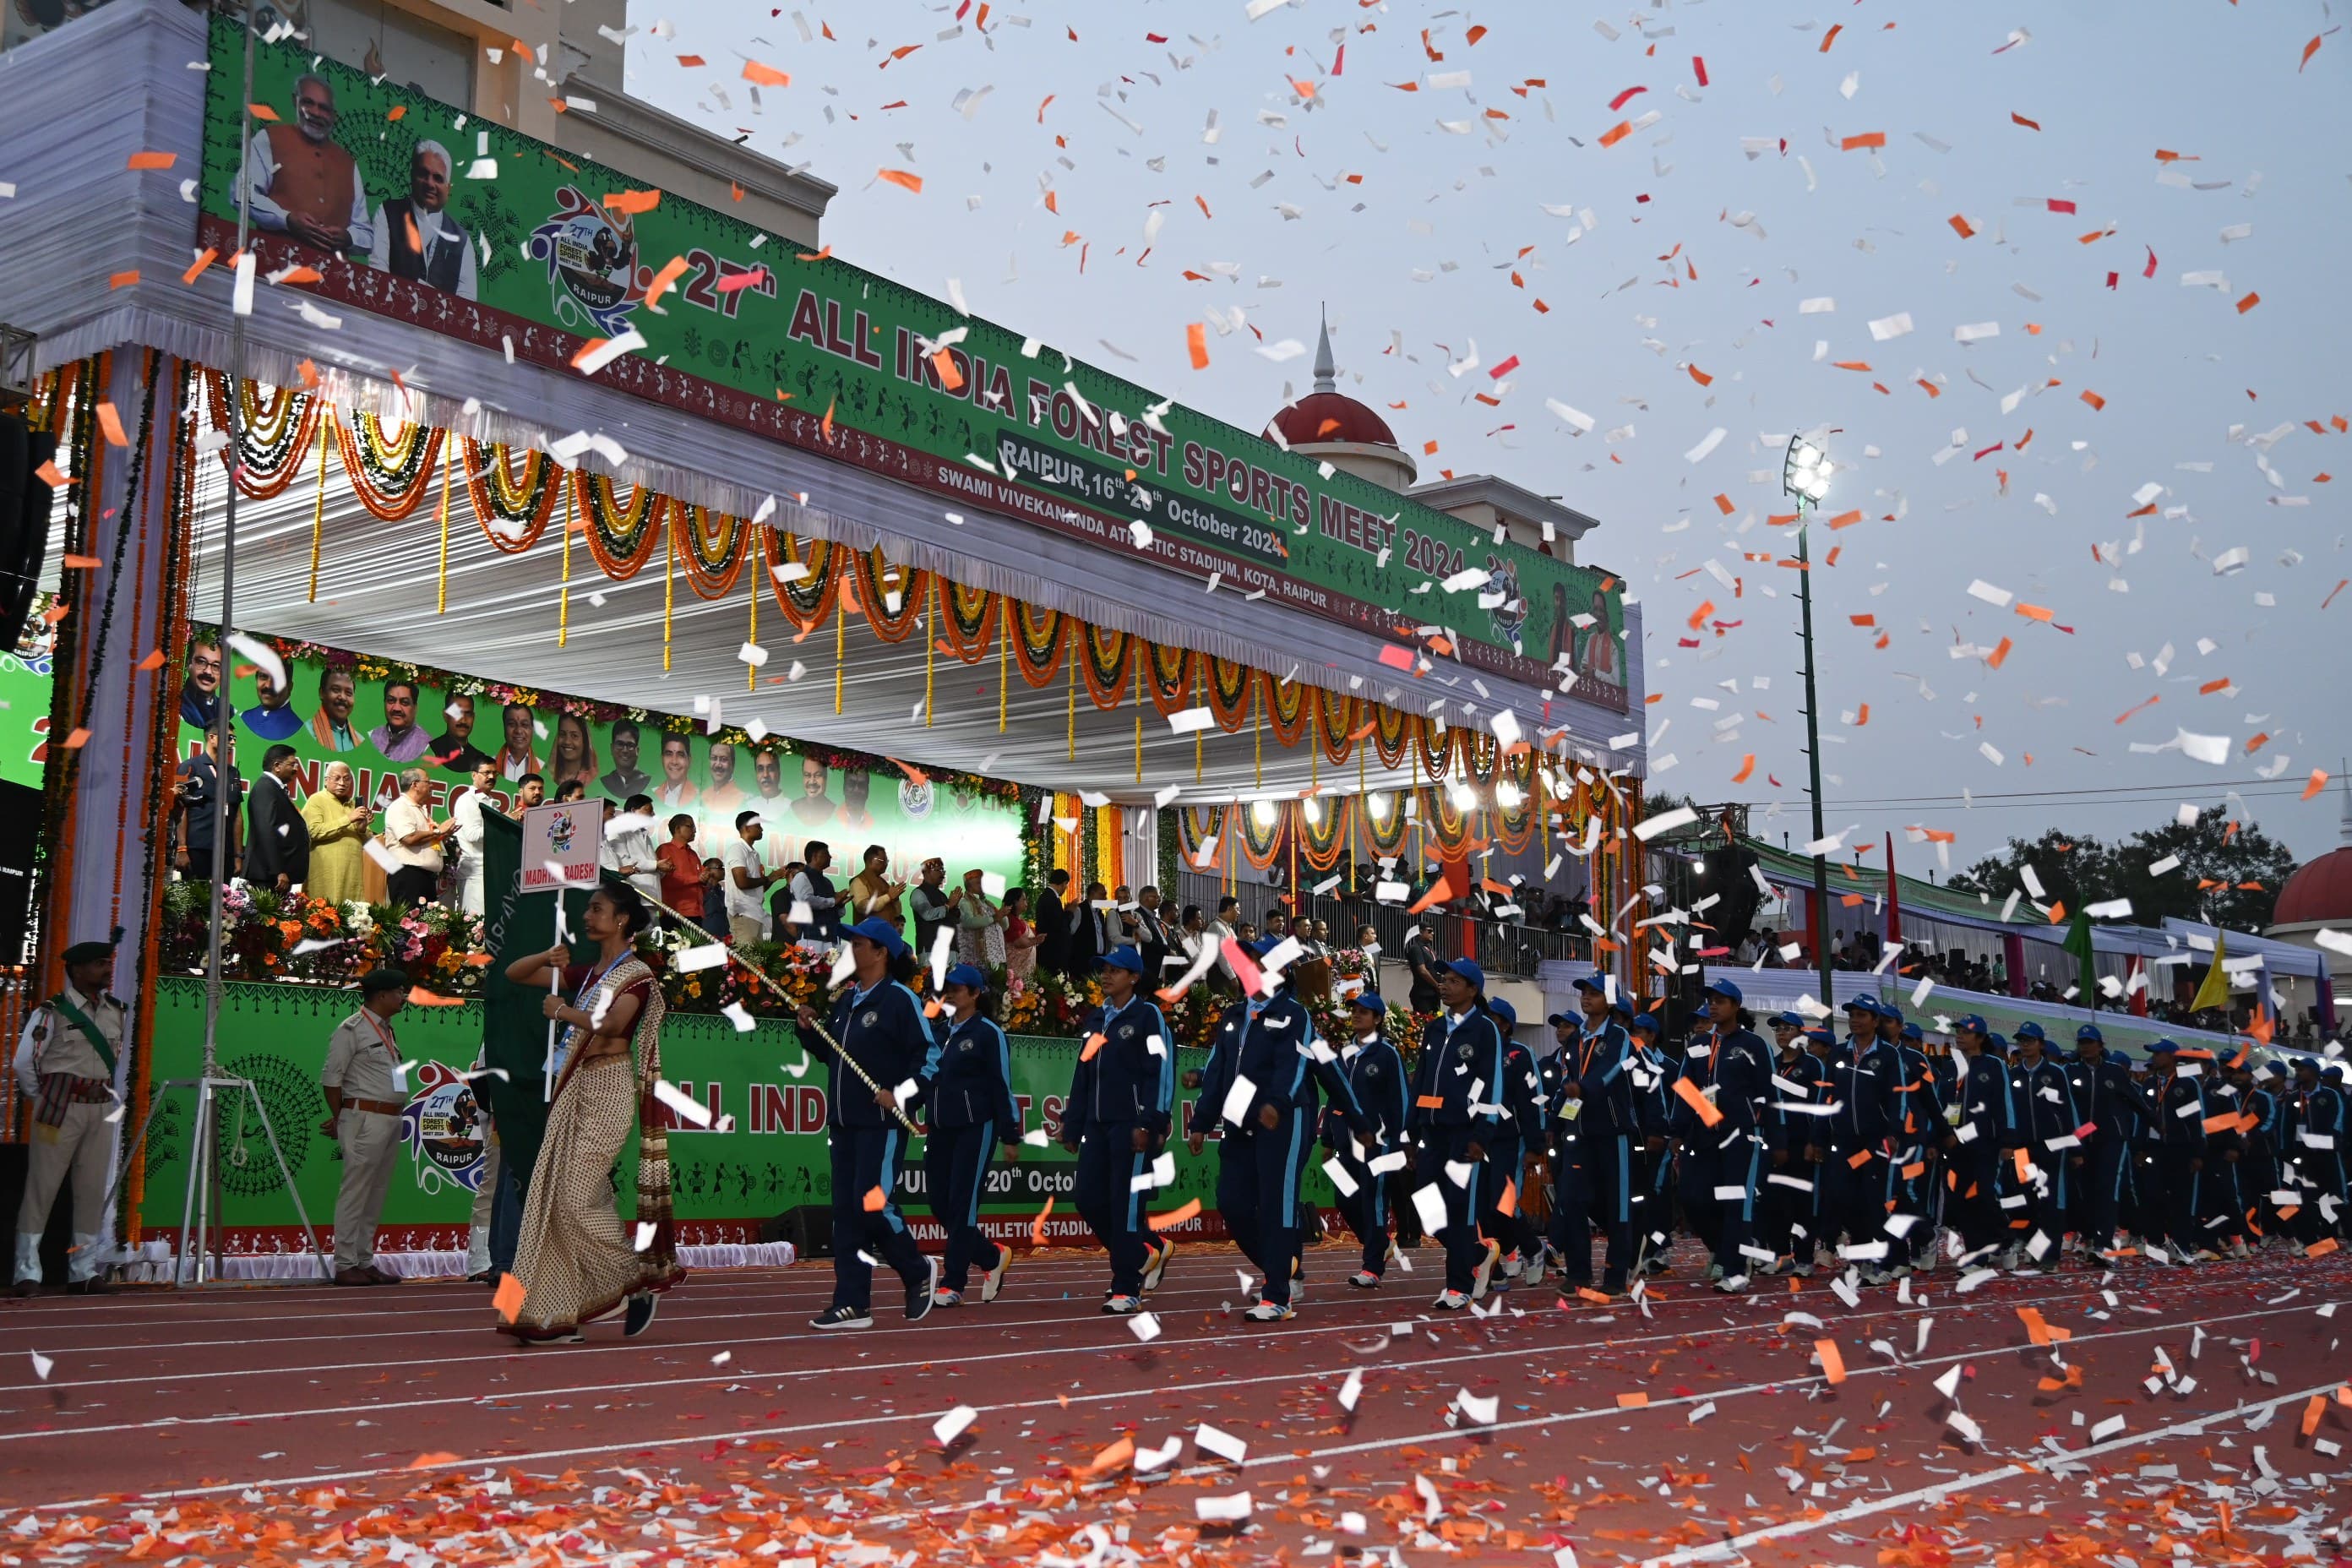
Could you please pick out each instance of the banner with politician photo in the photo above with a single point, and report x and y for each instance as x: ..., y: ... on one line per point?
x: 351, y: 726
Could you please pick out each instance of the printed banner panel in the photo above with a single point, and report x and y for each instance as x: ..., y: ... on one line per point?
x: 404, y: 207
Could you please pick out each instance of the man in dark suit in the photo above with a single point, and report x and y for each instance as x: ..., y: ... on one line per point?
x: 1053, y: 924
x: 276, y: 839
x: 1151, y: 937
x: 1091, y: 935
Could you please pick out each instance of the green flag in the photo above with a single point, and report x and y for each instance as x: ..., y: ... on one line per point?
x: 2078, y: 942
x: 514, y: 1026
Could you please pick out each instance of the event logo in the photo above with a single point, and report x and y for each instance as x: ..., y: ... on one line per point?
x: 561, y: 830
x: 442, y: 1126
x: 914, y: 799
x: 591, y: 254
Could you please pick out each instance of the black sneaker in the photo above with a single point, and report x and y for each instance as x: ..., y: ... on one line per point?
x: 919, y: 1297
x: 843, y: 1318
x: 641, y: 1314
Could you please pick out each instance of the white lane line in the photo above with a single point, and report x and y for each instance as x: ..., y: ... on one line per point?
x: 2190, y: 1427
x: 1581, y: 1414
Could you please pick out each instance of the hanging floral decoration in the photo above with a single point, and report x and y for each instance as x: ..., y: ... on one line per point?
x: 622, y: 536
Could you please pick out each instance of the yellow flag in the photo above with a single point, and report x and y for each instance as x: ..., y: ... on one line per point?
x: 2215, y: 991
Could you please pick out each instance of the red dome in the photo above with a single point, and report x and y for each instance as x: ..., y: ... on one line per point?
x: 2321, y: 890
x: 1321, y: 417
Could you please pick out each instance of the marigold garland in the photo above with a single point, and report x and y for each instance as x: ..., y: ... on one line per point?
x: 621, y: 537
x: 513, y: 512
x: 807, y: 596
x: 969, y: 629
x: 880, y: 586
x: 389, y: 473
x: 1107, y: 663
x: 1041, y: 641
x: 711, y: 549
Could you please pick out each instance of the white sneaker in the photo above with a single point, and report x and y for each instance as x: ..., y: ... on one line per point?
x: 993, y: 1281
x: 1271, y: 1312
x: 1714, y: 1272
x: 1364, y: 1280
x: 1122, y: 1306
x: 946, y: 1297
x: 1159, y: 1265
x: 1733, y: 1285
x: 1513, y: 1263
x: 1485, y: 1272
x: 1802, y: 1271
x: 1451, y: 1302
x: 1533, y: 1273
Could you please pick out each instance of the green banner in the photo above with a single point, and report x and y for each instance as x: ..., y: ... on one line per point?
x: 772, y: 1158
x: 377, y: 718
x: 396, y: 203
x: 24, y: 715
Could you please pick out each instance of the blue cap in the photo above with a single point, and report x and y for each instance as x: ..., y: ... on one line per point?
x: 1725, y: 989
x: 1558, y: 1018
x: 1125, y: 958
x: 1594, y: 982
x: 1824, y: 1035
x: 1698, y: 1017
x: 2030, y: 1030
x: 2332, y: 1069
x: 2090, y: 1032
x: 1504, y: 1011
x: 882, y: 934
x: 1370, y: 1002
x: 1912, y: 1032
x: 1996, y: 1042
x: 2161, y: 1045
x: 1645, y: 1021
x: 1973, y: 1022
x: 1889, y: 1010
x: 1861, y: 1003
x: 966, y: 974
x: 1623, y: 1006
x: 1791, y: 1019
x: 1468, y: 970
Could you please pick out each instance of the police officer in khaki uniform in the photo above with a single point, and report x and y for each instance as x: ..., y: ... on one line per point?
x: 67, y: 1063
x: 363, y: 1078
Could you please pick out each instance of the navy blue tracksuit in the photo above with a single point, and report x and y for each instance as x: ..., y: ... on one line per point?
x: 2105, y: 1097
x: 2223, y: 1216
x: 972, y: 1111
x: 2315, y: 1158
x: 884, y: 1031
x: 1376, y: 1075
x: 1126, y: 1085
x: 1742, y: 1141
x: 1523, y: 1129
x: 2045, y: 1108
x: 1982, y: 1170
x: 2180, y: 1141
x: 1457, y: 1100
x: 1592, y: 1152
x: 1698, y: 1159
x: 1269, y: 1043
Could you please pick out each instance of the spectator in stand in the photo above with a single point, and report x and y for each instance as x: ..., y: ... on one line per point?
x: 681, y: 870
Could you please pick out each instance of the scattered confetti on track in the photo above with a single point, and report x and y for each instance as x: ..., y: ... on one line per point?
x: 2204, y: 1409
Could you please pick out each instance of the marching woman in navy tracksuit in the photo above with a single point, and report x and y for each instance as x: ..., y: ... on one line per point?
x: 880, y: 1027
x: 1376, y: 1073
x: 1117, y: 1118
x: 972, y: 1111
x: 1457, y: 1109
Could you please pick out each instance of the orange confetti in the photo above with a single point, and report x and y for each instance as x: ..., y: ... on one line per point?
x: 2015, y: 117
x: 2319, y: 782
x: 155, y: 160
x: 1118, y: 1454
x: 110, y: 424
x: 428, y: 1461
x: 206, y: 259
x: 420, y: 997
x: 875, y: 1201
x: 125, y: 279
x: 765, y: 75
x: 1747, y: 766
x: 1700, y: 1106
x: 1616, y: 134
x: 1832, y: 1363
x: 672, y: 270
x: 1037, y: 1225
x: 2094, y: 399
x: 1868, y: 138
x: 1632, y: 1401
x: 1196, y: 343
x: 508, y: 1300
x: 1961, y: 227
x: 2248, y: 304
x: 78, y: 739
x: 1830, y: 37
x: 2309, y: 50
x: 1999, y: 655
x: 1177, y: 1216
x: 902, y: 178
x: 632, y: 201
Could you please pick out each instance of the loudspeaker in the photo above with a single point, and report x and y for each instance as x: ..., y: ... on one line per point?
x: 808, y: 1228
x: 24, y: 502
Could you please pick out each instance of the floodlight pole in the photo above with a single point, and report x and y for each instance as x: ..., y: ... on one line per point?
x: 1813, y: 756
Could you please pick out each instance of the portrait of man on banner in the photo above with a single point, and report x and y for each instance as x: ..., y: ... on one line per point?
x: 298, y: 182
x: 415, y: 235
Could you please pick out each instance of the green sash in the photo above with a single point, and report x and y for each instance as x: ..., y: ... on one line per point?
x: 90, y: 1031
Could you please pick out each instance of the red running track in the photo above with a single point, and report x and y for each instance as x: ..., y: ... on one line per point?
x: 1626, y: 1435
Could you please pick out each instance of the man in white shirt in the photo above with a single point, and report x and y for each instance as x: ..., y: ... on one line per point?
x: 415, y: 840
x: 629, y: 845
x: 747, y: 877
x: 417, y: 237
x: 1221, y: 973
x: 465, y: 810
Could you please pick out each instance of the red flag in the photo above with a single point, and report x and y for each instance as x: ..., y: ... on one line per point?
x: 2139, y: 997
x: 1894, y: 900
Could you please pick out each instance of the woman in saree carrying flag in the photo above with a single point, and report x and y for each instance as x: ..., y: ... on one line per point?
x: 575, y: 1259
